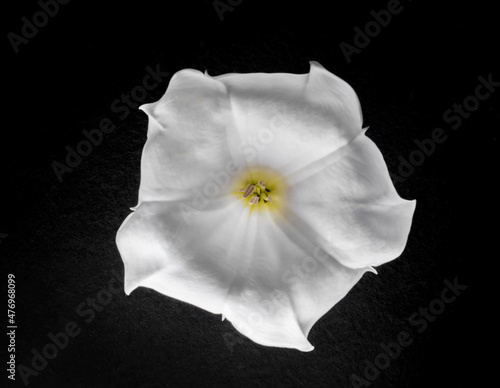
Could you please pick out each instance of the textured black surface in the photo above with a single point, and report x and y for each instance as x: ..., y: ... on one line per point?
x: 60, y: 242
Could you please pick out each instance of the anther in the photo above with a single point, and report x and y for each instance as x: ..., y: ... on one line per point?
x: 254, y: 200
x: 249, y: 190
x: 261, y: 184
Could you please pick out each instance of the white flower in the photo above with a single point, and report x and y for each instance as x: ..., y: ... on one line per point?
x: 261, y: 199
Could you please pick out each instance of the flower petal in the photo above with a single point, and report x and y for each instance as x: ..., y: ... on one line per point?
x: 346, y: 202
x: 288, y: 120
x: 180, y: 251
x: 187, y: 137
x: 289, y: 284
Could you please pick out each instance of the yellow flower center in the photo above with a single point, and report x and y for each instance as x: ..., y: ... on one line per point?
x: 260, y: 189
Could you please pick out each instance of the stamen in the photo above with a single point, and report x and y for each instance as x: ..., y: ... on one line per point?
x: 254, y: 200
x: 254, y: 187
x: 249, y: 190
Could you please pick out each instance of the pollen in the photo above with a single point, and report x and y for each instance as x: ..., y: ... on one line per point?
x: 260, y: 189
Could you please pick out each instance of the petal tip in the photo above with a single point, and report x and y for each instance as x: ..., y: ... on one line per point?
x: 306, y: 348
x: 372, y: 270
x: 316, y: 63
x: 147, y: 108
x: 128, y: 288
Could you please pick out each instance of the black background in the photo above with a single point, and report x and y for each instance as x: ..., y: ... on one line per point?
x: 61, y: 235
